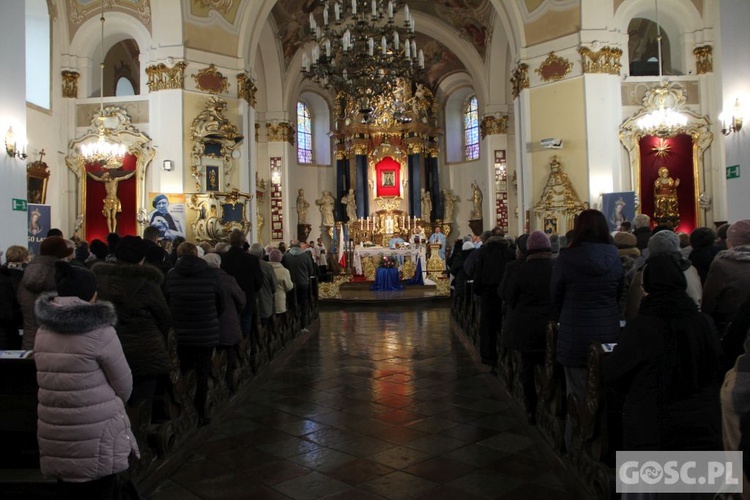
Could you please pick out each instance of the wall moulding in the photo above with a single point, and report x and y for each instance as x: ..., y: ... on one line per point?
x: 211, y: 80
x: 162, y: 77
x: 70, y: 83
x: 554, y: 68
x: 282, y: 132
x: 704, y: 59
x: 493, y: 125
x: 605, y: 60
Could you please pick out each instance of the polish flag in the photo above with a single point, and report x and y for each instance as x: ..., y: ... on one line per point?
x: 342, y: 242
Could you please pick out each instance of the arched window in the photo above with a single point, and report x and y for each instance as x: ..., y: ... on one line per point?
x: 304, y: 134
x: 38, y: 64
x: 471, y: 129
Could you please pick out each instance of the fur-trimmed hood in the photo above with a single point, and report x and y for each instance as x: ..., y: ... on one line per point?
x: 73, y: 315
x: 740, y: 252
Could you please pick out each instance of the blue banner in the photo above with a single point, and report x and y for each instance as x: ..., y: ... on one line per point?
x: 618, y: 208
x: 39, y: 222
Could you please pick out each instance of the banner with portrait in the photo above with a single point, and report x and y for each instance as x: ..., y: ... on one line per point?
x: 168, y: 214
x: 39, y: 222
x: 618, y: 208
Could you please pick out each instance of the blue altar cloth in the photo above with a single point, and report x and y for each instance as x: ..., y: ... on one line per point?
x: 386, y: 280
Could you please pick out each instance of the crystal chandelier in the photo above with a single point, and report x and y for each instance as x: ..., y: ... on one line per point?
x: 665, y: 121
x: 103, y: 152
x: 360, y: 50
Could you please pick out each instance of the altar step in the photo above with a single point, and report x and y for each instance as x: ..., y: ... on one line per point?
x: 359, y: 292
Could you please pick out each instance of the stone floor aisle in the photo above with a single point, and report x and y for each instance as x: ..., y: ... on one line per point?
x: 381, y: 404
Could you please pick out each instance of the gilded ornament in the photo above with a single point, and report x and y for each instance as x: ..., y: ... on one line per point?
x: 210, y: 126
x: 605, y: 60
x: 704, y: 59
x: 162, y: 77
x: 520, y: 79
x: 209, y: 224
x: 408, y: 269
x: 368, y: 268
x: 211, y: 80
x: 493, y: 125
x: 442, y: 285
x: 70, y: 84
x: 554, y: 68
x: 332, y: 290
x: 559, y: 203
x: 282, y: 132
x: 257, y: 132
x: 246, y: 89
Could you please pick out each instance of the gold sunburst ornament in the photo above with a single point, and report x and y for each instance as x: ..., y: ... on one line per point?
x: 662, y: 148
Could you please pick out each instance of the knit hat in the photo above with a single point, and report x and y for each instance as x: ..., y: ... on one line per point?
x: 468, y: 245
x: 663, y: 273
x: 625, y: 240
x: 55, y: 246
x: 702, y: 237
x: 131, y: 249
x: 663, y: 242
x: 739, y: 233
x: 74, y: 281
x: 213, y: 260
x: 538, y: 241
x: 554, y: 243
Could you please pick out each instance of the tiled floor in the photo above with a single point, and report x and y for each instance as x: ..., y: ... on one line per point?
x: 381, y: 404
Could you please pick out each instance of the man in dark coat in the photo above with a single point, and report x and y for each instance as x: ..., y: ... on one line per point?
x: 143, y: 317
x: 196, y: 302
x: 488, y: 274
x: 301, y: 268
x: 245, y: 268
x: 642, y: 230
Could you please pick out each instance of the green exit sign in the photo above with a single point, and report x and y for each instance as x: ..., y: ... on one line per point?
x: 19, y: 205
x: 733, y: 172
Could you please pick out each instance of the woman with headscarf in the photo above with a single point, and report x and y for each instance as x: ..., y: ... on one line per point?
x: 666, y: 365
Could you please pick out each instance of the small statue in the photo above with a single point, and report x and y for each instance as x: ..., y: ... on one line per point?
x: 476, y: 198
x: 449, y: 205
x: 426, y: 198
x: 112, y: 205
x: 326, y: 202
x: 351, y: 205
x: 302, y: 207
x: 665, y: 196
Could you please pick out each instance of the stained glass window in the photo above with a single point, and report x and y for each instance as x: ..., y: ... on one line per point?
x: 471, y: 129
x: 304, y: 134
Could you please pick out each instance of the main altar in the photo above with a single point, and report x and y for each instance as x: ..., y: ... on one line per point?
x: 367, y: 259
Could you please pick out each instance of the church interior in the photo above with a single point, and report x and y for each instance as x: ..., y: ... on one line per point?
x: 201, y: 117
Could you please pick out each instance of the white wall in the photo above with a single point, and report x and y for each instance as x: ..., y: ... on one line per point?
x: 13, y: 224
x: 735, y: 77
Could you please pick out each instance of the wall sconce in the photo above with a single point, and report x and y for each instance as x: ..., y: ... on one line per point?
x: 12, y: 147
x: 167, y: 165
x: 733, y: 124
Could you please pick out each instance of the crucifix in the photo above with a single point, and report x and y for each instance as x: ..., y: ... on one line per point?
x: 112, y: 205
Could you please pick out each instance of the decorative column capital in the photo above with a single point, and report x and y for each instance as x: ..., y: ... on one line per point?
x: 282, y: 132
x: 162, y: 77
x: 246, y: 89
x: 605, y: 60
x: 704, y: 59
x: 70, y: 84
x: 493, y: 125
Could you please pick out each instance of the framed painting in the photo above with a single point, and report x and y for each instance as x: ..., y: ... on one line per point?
x: 37, y: 177
x: 212, y: 172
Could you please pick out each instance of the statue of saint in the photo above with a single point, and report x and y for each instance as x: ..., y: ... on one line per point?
x: 665, y: 196
x: 426, y: 198
x: 476, y: 198
x: 449, y: 206
x: 112, y: 205
x: 351, y: 205
x: 559, y: 193
x: 325, y: 202
x: 302, y: 207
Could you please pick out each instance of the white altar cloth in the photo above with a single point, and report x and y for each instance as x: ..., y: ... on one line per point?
x: 413, y: 253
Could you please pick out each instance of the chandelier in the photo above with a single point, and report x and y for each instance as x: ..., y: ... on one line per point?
x: 359, y: 49
x: 103, y: 152
x: 665, y: 121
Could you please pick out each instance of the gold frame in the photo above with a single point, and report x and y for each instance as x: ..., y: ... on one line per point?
x: 37, y: 171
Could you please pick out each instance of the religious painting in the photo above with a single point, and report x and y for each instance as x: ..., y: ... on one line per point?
x: 618, y: 208
x: 212, y: 177
x: 550, y: 225
x: 39, y: 222
x: 232, y: 212
x: 168, y: 215
x: 37, y: 177
x: 388, y: 176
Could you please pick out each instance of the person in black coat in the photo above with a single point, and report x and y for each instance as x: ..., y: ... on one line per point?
x: 666, y: 364
x: 530, y: 306
x: 702, y: 241
x: 244, y: 268
x: 143, y: 317
x: 457, y: 268
x: 488, y: 274
x: 196, y: 302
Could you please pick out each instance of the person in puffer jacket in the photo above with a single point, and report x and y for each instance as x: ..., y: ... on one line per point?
x: 83, y: 431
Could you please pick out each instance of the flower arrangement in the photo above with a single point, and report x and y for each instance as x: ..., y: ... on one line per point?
x: 388, y: 262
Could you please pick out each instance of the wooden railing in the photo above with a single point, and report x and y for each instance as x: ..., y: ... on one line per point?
x: 595, y: 421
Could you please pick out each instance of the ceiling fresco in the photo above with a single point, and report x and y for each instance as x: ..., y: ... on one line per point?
x: 471, y: 20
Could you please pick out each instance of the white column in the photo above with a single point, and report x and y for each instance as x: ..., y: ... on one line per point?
x: 166, y: 117
x: 522, y: 107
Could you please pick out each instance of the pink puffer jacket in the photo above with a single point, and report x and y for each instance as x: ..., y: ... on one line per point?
x: 83, y: 430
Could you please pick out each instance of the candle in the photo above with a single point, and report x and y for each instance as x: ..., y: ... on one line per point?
x: 337, y: 11
x: 390, y: 8
x: 325, y: 16
x: 374, y: 8
x: 354, y: 6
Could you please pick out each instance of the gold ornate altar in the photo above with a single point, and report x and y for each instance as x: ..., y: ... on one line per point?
x: 559, y: 203
x: 216, y: 214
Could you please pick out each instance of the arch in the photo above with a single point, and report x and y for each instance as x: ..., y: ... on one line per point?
x: 321, y: 124
x: 453, y: 109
